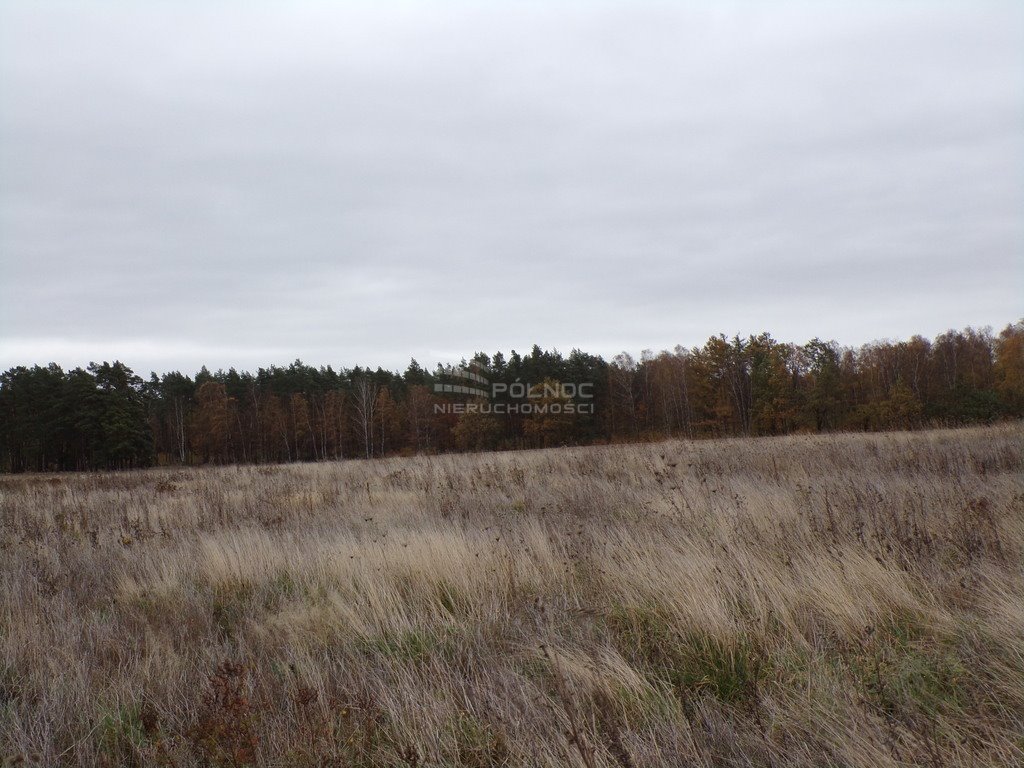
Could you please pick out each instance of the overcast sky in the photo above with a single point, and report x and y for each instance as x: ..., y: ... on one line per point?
x: 239, y: 184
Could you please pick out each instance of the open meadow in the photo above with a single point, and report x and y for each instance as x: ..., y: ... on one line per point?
x: 840, y: 600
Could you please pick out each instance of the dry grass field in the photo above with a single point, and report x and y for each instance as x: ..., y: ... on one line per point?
x: 852, y: 600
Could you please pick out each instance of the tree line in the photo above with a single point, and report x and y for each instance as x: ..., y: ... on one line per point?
x: 107, y: 417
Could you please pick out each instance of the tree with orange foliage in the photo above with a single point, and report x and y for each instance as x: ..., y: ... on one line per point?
x: 1009, y: 368
x: 211, y: 427
x: 548, y: 423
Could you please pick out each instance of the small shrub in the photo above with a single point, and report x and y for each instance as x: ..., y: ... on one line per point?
x: 224, y: 735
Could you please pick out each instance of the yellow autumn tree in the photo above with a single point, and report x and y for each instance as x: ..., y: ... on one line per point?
x: 477, y: 430
x: 1009, y: 368
x: 549, y: 423
x: 211, y: 423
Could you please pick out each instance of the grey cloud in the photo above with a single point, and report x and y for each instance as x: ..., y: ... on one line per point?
x: 350, y: 184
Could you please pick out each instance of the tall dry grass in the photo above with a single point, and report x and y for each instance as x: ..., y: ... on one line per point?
x: 840, y: 600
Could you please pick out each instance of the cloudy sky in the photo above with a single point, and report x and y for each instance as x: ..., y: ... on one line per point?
x: 238, y: 184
